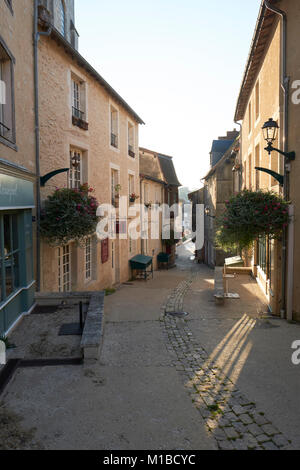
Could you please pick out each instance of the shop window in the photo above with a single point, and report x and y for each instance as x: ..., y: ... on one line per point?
x: 262, y: 254
x: 9, y: 255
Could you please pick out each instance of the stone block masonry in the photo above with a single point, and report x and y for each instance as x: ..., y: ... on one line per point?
x: 232, y: 418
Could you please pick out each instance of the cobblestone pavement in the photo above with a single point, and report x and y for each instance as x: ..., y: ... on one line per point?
x: 229, y: 415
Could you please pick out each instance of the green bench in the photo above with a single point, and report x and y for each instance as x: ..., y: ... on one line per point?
x: 142, y: 266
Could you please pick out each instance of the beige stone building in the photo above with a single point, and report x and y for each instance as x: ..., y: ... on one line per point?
x: 270, y: 89
x: 159, y: 185
x: 17, y: 162
x: 218, y: 187
x: 86, y: 126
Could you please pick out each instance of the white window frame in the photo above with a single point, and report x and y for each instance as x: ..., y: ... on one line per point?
x: 114, y: 130
x: 75, y: 174
x: 131, y: 179
x: 130, y: 125
x: 88, y: 259
x: 64, y: 278
x: 116, y: 169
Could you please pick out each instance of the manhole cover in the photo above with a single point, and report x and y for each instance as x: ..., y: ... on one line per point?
x: 178, y: 314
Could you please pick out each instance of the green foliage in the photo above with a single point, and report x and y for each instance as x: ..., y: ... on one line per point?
x: 7, y: 343
x: 250, y: 215
x: 110, y: 291
x: 69, y: 215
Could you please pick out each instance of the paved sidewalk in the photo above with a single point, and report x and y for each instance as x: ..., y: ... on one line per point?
x: 237, y: 364
x: 222, y: 378
x: 132, y: 400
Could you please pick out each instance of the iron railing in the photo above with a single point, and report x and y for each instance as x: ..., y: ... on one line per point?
x: 114, y: 140
x: 130, y: 151
x: 77, y: 113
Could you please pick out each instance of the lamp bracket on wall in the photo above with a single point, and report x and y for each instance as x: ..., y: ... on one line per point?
x: 275, y: 175
x: 48, y: 176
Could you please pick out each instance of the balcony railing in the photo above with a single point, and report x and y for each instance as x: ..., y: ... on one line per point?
x: 78, y: 119
x: 130, y: 151
x: 114, y: 140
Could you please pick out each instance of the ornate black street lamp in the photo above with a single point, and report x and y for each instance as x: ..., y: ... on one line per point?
x: 207, y: 212
x: 270, y: 131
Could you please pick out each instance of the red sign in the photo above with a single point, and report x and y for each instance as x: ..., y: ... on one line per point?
x: 104, y: 250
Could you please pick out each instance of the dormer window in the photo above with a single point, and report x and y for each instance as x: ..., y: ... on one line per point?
x: 62, y: 18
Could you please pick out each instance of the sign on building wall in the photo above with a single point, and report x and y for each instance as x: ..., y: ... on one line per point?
x: 105, y: 250
x: 15, y: 192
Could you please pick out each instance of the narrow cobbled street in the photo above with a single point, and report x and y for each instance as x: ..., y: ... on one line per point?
x: 207, y: 381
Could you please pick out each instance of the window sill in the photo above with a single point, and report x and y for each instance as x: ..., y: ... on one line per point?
x: 8, y: 143
x: 80, y: 123
x: 115, y: 149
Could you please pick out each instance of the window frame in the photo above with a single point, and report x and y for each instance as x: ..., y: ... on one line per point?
x: 130, y: 139
x: 12, y: 61
x: 62, y: 18
x: 114, y: 138
x: 4, y: 296
x: 64, y: 251
x: 73, y: 173
x: 88, y: 260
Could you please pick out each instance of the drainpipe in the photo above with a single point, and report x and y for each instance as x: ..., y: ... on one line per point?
x: 287, y: 268
x: 36, y: 36
x: 241, y: 152
x: 141, y: 215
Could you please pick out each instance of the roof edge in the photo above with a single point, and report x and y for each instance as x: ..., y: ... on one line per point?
x: 81, y: 61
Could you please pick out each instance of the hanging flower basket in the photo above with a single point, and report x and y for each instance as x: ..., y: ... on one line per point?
x: 250, y: 215
x: 69, y: 215
x: 133, y: 197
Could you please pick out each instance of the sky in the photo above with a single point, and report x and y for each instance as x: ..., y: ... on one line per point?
x: 178, y: 64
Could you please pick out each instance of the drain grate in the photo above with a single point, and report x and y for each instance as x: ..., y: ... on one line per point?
x: 178, y: 314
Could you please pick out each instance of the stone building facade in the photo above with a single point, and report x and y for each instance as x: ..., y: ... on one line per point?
x: 269, y: 83
x: 85, y: 125
x: 218, y: 187
x: 17, y: 162
x: 159, y: 185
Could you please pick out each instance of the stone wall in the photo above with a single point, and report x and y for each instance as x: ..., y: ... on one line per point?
x: 58, y: 135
